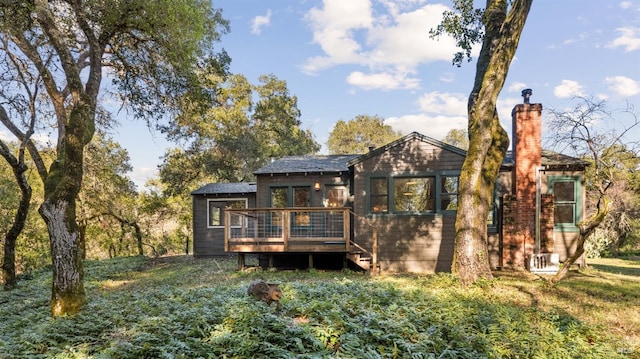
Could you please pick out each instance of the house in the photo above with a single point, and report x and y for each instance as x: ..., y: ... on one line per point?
x: 394, y: 207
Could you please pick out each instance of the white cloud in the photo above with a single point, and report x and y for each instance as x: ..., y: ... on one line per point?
x: 568, y: 88
x: 629, y: 39
x: 626, y: 4
x: 449, y: 104
x: 259, y: 22
x: 517, y: 87
x: 623, y: 86
x: 382, y: 81
x: 391, y: 41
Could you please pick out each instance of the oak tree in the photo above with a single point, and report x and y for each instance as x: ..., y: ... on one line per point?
x: 65, y: 47
x: 357, y: 135
x: 498, y: 27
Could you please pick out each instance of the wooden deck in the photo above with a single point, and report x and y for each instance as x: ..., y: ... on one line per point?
x: 281, y: 230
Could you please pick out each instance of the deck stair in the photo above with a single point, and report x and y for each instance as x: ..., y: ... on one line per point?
x: 362, y: 258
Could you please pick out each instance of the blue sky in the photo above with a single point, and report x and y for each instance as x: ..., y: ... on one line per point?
x: 346, y: 58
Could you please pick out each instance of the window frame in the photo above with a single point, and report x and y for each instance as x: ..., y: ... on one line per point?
x: 577, y: 203
x: 222, y: 211
x: 390, y: 178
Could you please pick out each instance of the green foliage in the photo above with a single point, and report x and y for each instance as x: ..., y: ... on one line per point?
x: 457, y: 137
x: 180, y: 307
x: 358, y: 134
x: 233, y: 133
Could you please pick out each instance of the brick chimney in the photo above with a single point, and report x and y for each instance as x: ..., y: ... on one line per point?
x: 520, y: 207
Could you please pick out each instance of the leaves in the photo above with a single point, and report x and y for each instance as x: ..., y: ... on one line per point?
x: 180, y: 307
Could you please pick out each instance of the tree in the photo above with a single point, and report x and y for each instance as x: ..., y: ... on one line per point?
x: 581, y: 130
x: 498, y: 27
x: 357, y: 135
x: 242, y: 128
x: 108, y: 198
x: 63, y: 47
x: 457, y: 137
x: 19, y: 168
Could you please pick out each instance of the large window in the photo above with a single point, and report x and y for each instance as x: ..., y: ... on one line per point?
x: 217, y: 208
x: 423, y: 194
x: 414, y: 194
x: 567, y: 205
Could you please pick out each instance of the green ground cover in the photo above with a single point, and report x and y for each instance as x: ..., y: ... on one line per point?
x: 181, y: 307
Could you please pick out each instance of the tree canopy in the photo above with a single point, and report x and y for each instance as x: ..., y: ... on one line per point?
x: 54, y: 56
x: 241, y: 128
x: 357, y: 135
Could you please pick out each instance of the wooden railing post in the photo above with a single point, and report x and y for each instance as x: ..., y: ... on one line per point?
x: 374, y: 254
x: 227, y: 234
x: 346, y: 229
x: 286, y: 225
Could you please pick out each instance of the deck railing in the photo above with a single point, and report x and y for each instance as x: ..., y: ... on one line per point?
x: 270, y: 230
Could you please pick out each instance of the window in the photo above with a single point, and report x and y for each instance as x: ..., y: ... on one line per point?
x: 379, y: 195
x: 216, y: 211
x: 279, y: 199
x: 336, y: 197
x: 567, y: 191
x: 427, y: 193
x: 301, y: 198
x: 414, y: 194
x: 449, y: 193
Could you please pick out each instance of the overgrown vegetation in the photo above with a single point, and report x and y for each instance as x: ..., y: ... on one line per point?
x: 180, y: 307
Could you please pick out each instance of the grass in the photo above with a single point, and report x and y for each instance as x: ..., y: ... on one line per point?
x: 181, y: 307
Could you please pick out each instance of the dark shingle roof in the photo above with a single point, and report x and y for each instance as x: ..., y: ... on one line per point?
x: 307, y: 164
x: 549, y: 158
x: 226, y: 188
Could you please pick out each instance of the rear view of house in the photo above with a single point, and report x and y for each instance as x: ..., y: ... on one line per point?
x: 394, y: 207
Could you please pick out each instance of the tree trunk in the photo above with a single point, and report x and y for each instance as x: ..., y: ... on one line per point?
x: 58, y: 210
x: 67, y: 294
x: 488, y: 141
x: 9, y: 254
x: 587, y: 228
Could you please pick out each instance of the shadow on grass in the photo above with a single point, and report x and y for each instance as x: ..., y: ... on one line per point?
x: 629, y: 267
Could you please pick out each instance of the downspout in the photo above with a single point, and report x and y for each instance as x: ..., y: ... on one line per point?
x: 538, y: 209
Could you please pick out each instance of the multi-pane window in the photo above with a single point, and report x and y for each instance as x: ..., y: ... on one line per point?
x: 567, y: 200
x: 217, y: 208
x: 379, y: 195
x: 414, y: 194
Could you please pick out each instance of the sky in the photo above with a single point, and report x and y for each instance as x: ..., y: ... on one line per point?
x: 375, y: 57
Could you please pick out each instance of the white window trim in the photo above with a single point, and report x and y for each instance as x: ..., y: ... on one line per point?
x: 209, y: 200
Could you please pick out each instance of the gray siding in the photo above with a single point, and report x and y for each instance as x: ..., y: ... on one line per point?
x: 412, y: 243
x: 209, y: 241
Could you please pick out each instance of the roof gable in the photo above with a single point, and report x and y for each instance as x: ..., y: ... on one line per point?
x: 410, y: 137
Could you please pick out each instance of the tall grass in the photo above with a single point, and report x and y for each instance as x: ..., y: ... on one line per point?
x: 180, y: 307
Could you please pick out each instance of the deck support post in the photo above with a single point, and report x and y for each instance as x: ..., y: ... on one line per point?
x: 310, y: 260
x: 270, y: 256
x: 240, y: 261
x: 374, y: 253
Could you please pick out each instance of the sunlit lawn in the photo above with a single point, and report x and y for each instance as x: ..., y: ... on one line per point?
x: 179, y: 306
